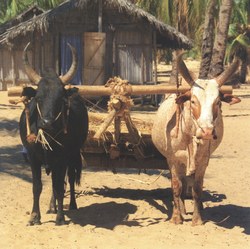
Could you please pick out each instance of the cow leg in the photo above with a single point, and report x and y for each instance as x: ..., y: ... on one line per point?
x: 71, y: 175
x: 52, y: 204
x: 197, y: 195
x: 178, y: 203
x: 58, y: 175
x: 35, y: 217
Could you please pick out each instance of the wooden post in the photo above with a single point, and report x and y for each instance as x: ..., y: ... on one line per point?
x: 13, y: 67
x: 1, y: 70
x: 155, y: 62
x: 100, y: 16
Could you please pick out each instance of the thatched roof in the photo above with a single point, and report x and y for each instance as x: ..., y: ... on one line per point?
x: 42, y: 23
x: 24, y: 16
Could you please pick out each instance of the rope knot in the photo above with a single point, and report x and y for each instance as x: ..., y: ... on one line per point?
x: 120, y: 99
x: 31, y: 138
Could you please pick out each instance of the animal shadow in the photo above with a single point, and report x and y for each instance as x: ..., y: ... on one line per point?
x: 104, y: 215
x: 229, y: 216
x: 12, y: 163
x: 9, y: 127
x: 212, y: 196
x: 150, y: 196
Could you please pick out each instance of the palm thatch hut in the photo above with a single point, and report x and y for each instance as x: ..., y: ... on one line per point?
x: 112, y: 37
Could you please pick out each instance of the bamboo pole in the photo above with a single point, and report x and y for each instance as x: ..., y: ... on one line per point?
x: 130, y: 89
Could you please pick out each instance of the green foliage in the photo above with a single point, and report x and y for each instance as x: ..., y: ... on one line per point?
x: 170, y: 11
x: 187, y: 16
x: 240, y: 11
x: 239, y: 31
x: 11, y: 8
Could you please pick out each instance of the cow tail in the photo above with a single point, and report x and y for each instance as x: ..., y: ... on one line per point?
x: 75, y: 168
x: 78, y: 173
x: 79, y: 168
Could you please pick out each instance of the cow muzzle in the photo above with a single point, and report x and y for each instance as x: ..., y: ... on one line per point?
x: 206, y: 133
x: 46, y: 124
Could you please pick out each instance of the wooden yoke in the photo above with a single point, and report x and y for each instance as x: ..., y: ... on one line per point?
x: 86, y: 90
x: 118, y: 106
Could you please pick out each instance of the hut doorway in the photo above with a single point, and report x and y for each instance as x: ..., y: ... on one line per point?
x: 94, y: 58
x: 133, y: 56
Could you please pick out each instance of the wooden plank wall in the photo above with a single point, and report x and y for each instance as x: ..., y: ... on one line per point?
x: 41, y: 54
x: 134, y: 55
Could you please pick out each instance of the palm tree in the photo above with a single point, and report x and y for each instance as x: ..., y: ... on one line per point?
x: 208, y: 39
x: 186, y: 15
x: 239, y: 36
x: 219, y: 49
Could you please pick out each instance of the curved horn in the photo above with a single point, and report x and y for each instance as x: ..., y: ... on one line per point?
x: 222, y: 78
x: 32, y: 74
x: 182, y: 68
x: 69, y: 75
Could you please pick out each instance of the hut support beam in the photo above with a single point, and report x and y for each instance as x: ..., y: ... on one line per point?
x: 100, y: 16
x: 13, y: 67
x: 1, y: 69
x: 155, y: 62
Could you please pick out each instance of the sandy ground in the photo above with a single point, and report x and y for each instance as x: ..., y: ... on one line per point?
x: 117, y: 212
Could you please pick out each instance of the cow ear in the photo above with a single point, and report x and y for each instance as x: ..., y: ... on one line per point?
x: 183, y: 98
x: 70, y: 91
x: 229, y: 98
x: 28, y: 92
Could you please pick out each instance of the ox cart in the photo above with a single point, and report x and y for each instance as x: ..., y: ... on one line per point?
x: 121, y: 138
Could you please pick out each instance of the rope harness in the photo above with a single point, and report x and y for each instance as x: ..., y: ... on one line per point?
x: 40, y: 113
x: 192, y: 148
x: 41, y: 135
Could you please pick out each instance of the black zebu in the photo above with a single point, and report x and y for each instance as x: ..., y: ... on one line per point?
x: 58, y: 128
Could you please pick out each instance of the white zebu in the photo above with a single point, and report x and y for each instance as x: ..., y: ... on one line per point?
x: 187, y: 137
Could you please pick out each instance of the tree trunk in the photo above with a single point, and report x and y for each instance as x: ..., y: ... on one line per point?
x: 208, y: 40
x: 174, y: 73
x: 181, y: 26
x: 219, y: 50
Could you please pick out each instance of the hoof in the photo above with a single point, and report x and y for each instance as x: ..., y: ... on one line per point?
x: 51, y: 211
x: 72, y: 207
x: 177, y: 220
x: 60, y: 220
x: 35, y: 219
x: 34, y: 223
x: 197, y: 222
